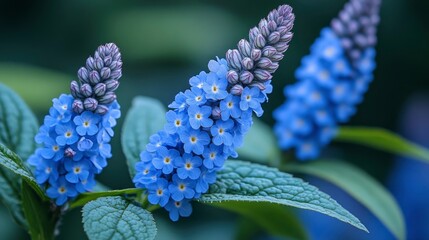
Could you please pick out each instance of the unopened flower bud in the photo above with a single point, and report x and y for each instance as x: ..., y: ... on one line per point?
x: 83, y: 74
x: 255, y: 54
x: 101, y: 109
x: 272, y: 25
x: 286, y: 37
x: 74, y: 89
x: 272, y: 67
x: 247, y: 63
x: 99, y: 63
x: 253, y: 33
x: 232, y: 77
x: 69, y: 152
x: 111, y: 85
x: 264, y: 62
x: 233, y: 58
x: 281, y: 46
x: 268, y: 51
x: 262, y: 75
x: 244, y: 47
x: 100, y: 89
x: 216, y: 113
x: 90, y: 63
x: 263, y: 27
x: 86, y: 90
x: 246, y: 77
x: 259, y: 85
x: 90, y: 104
x: 94, y: 77
x: 116, y: 74
x: 260, y: 41
x: 77, y: 106
x: 108, y: 61
x: 237, y: 89
x: 107, y: 98
x: 277, y: 57
x: 105, y: 73
x: 274, y: 37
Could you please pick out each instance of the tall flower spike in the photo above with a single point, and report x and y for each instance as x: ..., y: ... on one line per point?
x: 331, y: 80
x: 208, y: 121
x: 76, y: 133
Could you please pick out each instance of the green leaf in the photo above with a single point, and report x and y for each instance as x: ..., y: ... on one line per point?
x: 384, y: 140
x: 248, y: 182
x: 41, y: 219
x: 84, y: 198
x: 360, y: 186
x: 276, y: 219
x: 145, y: 117
x: 117, y: 218
x: 18, y: 126
x: 260, y: 145
x: 9, y: 160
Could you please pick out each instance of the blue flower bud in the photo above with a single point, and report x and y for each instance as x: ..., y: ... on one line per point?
x: 100, y: 89
x: 277, y: 57
x: 107, y: 98
x: 94, y: 77
x: 272, y: 67
x: 268, y: 51
x: 260, y: 41
x: 77, y: 106
x: 86, y: 90
x: 259, y: 85
x: 281, y: 46
x: 274, y: 37
x: 262, y: 75
x: 237, y: 89
x: 117, y: 73
x: 74, y: 89
x: 263, y: 28
x: 253, y: 33
x: 99, y: 63
x: 234, y: 58
x: 216, y: 113
x: 83, y: 74
x: 272, y: 25
x: 232, y: 77
x: 69, y: 152
x: 244, y: 47
x: 246, y: 77
x: 107, y: 61
x: 247, y: 63
x: 105, y: 73
x: 90, y: 104
x: 111, y: 85
x: 101, y: 109
x: 255, y: 55
x: 264, y: 63
x: 90, y: 64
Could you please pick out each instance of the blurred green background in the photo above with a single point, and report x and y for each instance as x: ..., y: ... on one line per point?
x: 164, y: 43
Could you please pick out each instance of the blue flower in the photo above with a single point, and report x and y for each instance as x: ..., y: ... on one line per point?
x: 200, y: 116
x: 77, y: 131
x: 86, y: 123
x: 188, y: 166
x: 201, y: 148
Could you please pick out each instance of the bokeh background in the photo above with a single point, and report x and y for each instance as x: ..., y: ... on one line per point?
x: 164, y: 43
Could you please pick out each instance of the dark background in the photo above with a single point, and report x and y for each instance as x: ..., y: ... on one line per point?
x: 164, y: 43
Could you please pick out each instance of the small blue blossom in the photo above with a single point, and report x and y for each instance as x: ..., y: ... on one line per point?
x: 230, y: 107
x: 200, y: 116
x: 76, y: 171
x: 66, y: 134
x: 215, y: 87
x: 181, y: 188
x: 250, y: 98
x: 165, y: 159
x: 220, y: 132
x: 178, y: 209
x: 61, y: 191
x: 214, y: 157
x: 158, y: 192
x: 176, y: 122
x: 188, y: 166
x: 194, y: 141
x: 195, y: 96
x: 87, y: 123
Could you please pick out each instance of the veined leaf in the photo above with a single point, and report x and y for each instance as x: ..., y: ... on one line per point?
x: 260, y: 145
x: 117, y: 218
x: 383, y: 140
x: 145, y: 118
x: 275, y: 219
x: 248, y: 182
x: 360, y: 186
x: 84, y: 198
x: 41, y: 219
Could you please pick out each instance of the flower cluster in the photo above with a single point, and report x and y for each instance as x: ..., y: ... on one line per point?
x: 75, y: 142
x: 208, y: 121
x: 331, y: 81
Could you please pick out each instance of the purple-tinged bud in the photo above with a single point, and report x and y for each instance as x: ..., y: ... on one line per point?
x: 284, y: 29
x: 90, y: 104
x: 83, y: 74
x: 263, y: 27
x: 74, y: 89
x: 105, y: 73
x: 281, y: 46
x: 277, y: 57
x: 255, y: 55
x: 77, y: 106
x: 347, y: 43
x: 100, y: 89
x: 260, y: 41
x: 233, y: 58
x: 94, y: 77
x: 232, y: 77
x: 90, y: 64
x: 107, y: 98
x: 274, y: 37
x: 262, y: 75
x: 352, y: 27
x: 237, y: 89
x: 99, y: 63
x: 246, y: 77
x: 286, y: 37
x: 102, y: 109
x: 247, y: 63
x: 116, y: 74
x: 259, y: 85
x: 112, y: 85
x: 272, y: 67
x: 268, y: 51
x: 216, y: 113
x: 272, y: 26
x: 69, y: 153
x: 337, y: 27
x: 264, y: 62
x: 360, y: 40
x: 108, y: 61
x: 114, y: 65
x: 253, y: 33
x: 244, y: 47
x: 86, y: 90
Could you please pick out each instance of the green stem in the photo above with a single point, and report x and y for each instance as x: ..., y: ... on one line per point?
x: 87, y: 197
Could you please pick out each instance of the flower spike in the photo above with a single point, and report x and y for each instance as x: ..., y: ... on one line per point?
x: 208, y: 121
x: 76, y: 133
x: 331, y: 80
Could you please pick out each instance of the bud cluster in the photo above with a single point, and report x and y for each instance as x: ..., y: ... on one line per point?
x: 98, y: 80
x: 255, y: 60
